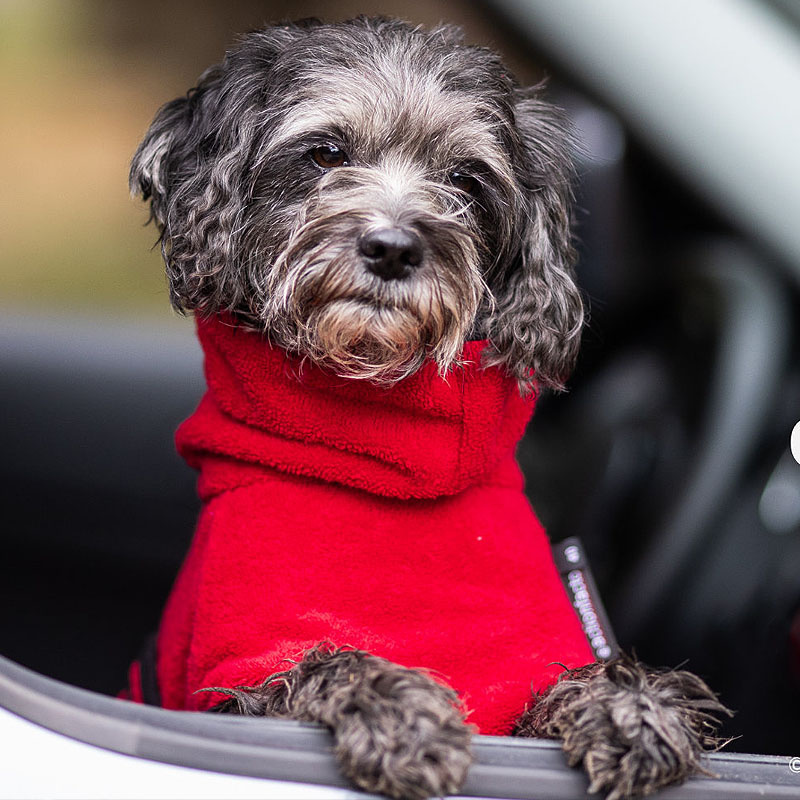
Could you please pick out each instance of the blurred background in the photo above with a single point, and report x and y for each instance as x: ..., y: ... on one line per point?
x: 669, y: 455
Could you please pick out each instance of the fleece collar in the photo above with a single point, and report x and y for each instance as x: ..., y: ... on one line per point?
x: 424, y: 437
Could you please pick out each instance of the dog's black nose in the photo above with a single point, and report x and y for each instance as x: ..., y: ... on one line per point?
x: 391, y: 253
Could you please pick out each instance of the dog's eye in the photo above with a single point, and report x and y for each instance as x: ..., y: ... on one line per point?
x: 463, y: 182
x: 329, y: 156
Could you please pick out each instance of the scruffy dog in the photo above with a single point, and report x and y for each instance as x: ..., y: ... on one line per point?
x: 370, y: 222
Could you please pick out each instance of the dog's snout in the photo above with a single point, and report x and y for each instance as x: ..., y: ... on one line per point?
x: 391, y: 253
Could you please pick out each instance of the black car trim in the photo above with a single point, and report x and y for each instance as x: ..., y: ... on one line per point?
x: 299, y: 752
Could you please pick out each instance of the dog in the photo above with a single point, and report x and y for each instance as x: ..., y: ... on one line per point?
x: 370, y: 222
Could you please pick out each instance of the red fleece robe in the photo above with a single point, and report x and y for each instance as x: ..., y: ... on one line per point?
x: 388, y: 519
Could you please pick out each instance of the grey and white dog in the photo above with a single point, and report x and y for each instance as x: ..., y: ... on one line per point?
x: 369, y: 195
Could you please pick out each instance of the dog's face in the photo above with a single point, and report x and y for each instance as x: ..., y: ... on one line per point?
x: 369, y: 195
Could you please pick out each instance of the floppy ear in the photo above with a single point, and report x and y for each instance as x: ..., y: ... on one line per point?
x: 194, y: 167
x: 189, y: 167
x: 536, y: 325
x: 154, y: 163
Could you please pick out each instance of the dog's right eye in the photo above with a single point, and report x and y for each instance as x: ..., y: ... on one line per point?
x: 329, y: 156
x: 464, y: 183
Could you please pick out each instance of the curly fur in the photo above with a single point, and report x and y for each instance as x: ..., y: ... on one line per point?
x: 396, y: 730
x: 634, y: 729
x: 400, y: 733
x: 249, y: 224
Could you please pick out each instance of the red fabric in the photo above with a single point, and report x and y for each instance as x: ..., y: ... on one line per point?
x: 134, y: 690
x: 389, y: 519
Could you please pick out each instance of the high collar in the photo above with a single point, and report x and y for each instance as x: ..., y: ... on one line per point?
x: 423, y: 437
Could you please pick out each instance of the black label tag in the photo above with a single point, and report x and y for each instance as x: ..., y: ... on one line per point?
x: 582, y: 591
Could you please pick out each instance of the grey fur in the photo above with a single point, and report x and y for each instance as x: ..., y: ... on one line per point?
x: 442, y: 145
x: 400, y: 733
x: 396, y: 730
x: 249, y: 224
x: 633, y: 729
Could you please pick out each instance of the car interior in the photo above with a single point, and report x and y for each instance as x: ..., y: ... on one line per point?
x: 668, y: 456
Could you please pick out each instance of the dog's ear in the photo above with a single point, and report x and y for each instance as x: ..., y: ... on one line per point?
x: 538, y: 316
x: 193, y: 166
x: 158, y: 158
x: 185, y: 167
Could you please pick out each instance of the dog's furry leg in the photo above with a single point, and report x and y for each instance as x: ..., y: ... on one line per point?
x: 396, y: 731
x: 633, y: 729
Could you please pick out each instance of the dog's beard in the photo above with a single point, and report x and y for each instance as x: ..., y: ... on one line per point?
x: 324, y: 304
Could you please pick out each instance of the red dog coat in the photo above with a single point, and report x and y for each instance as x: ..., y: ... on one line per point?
x: 389, y: 519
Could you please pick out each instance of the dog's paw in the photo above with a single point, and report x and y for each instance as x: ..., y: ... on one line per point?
x: 633, y: 729
x: 396, y: 731
x: 399, y: 748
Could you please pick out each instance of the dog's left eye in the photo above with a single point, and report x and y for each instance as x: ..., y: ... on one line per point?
x: 329, y: 156
x: 463, y: 182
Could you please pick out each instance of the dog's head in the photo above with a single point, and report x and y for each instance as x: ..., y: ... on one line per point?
x: 369, y: 195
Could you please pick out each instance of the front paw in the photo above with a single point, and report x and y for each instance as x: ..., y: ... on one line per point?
x: 396, y: 731
x: 634, y: 730
x: 399, y: 733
